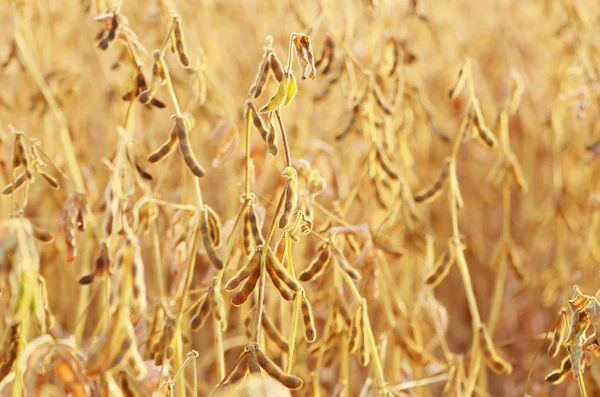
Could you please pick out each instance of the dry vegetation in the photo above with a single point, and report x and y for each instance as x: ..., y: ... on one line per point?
x: 315, y: 198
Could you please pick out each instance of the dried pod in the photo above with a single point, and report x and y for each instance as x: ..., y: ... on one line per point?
x: 385, y: 164
x: 316, y: 268
x: 238, y: 298
x: 440, y: 270
x: 288, y: 380
x: 49, y: 179
x: 207, y: 241
x: 459, y: 82
x: 240, y: 369
x: 363, y: 350
x: 434, y: 190
x: 158, y: 76
x: 180, y: 47
x: 291, y: 196
x: 185, y: 148
x: 258, y: 122
x: 383, y: 104
x: 356, y: 331
x: 491, y: 357
x: 18, y: 182
x: 344, y: 265
x: 214, y: 227
x: 559, y: 334
x: 255, y: 229
x: 143, y: 173
x: 281, y: 273
x: 74, y: 214
x: 261, y: 78
x: 284, y: 290
x: 308, y: 319
x: 216, y: 301
x: 247, y: 238
x: 166, y: 148
x: 276, y: 67
x: 245, y: 272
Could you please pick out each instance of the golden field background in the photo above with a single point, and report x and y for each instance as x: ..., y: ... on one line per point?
x: 62, y: 90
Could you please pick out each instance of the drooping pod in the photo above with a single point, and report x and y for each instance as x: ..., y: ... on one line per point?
x: 290, y: 381
x: 434, y: 190
x: 440, y: 270
x: 316, y: 268
x: 166, y: 148
x: 246, y: 271
x: 180, y: 47
x: 291, y: 196
x: 186, y: 149
x: 280, y: 272
x: 308, y: 318
x: 494, y: 361
x: 207, y: 241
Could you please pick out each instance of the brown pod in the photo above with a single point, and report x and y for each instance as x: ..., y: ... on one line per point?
x: 270, y: 138
x: 49, y: 179
x: 440, y: 270
x: 280, y: 249
x: 307, y: 318
x: 143, y: 173
x: 285, y: 292
x: 12, y: 187
x: 245, y: 272
x: 214, y: 227
x: 207, y: 242
x: 216, y: 301
x: 179, y: 43
x: 276, y: 67
x: 327, y: 55
x: 491, y: 357
x: 434, y: 191
x: 381, y: 101
x: 291, y: 196
x: 258, y: 122
x: 201, y: 315
x: 262, y: 78
x: 385, y: 164
x: 247, y: 239
x: 240, y: 369
x: 166, y: 148
x: 316, y: 268
x: 158, y: 75
x: 288, y: 380
x: 273, y: 333
x: 255, y: 229
x: 238, y: 298
x: 355, y: 331
x: 559, y: 335
x: 274, y: 264
x: 344, y: 265
x: 102, y: 262
x: 185, y: 148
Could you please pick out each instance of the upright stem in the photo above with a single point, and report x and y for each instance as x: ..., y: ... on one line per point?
x: 263, y: 271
